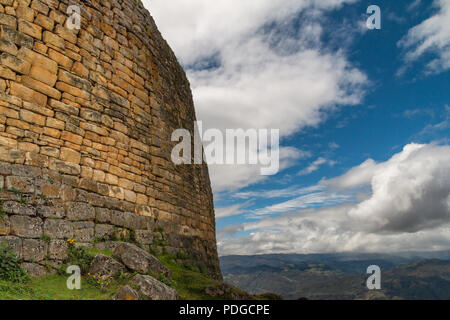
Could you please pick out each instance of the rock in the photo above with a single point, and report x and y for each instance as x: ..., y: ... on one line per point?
x: 103, y: 231
x: 139, y: 260
x: 58, y: 229
x: 58, y: 249
x: 24, y: 226
x: 12, y: 207
x: 84, y: 231
x: 127, y: 293
x: 106, y: 267
x: 151, y: 289
x: 4, y: 225
x: 15, y: 243
x: 108, y: 245
x: 34, y: 250
x: 34, y: 270
x: 144, y: 236
x: 80, y: 211
x: 55, y: 212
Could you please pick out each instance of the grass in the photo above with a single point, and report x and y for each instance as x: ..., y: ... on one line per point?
x: 53, y: 287
x: 188, y: 282
x: 93, y: 252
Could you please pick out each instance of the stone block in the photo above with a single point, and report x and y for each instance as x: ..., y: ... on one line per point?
x: 16, y: 64
x: 15, y: 243
x: 58, y: 229
x: 58, y: 249
x: 16, y: 208
x: 24, y: 226
x: 33, y: 250
x: 79, y: 211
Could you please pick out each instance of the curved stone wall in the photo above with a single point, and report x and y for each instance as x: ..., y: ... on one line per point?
x: 86, y: 118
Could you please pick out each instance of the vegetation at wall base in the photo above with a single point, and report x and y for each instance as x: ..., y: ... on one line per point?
x: 190, y: 282
x: 10, y: 269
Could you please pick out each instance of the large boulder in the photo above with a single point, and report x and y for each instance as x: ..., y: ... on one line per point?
x: 136, y: 259
x: 105, y: 267
x: 127, y: 293
x: 151, y: 289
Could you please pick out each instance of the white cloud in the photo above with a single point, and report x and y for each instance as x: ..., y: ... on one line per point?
x: 363, y: 174
x: 279, y: 193
x: 431, y: 36
x: 305, y: 201
x: 409, y: 192
x: 235, y: 177
x: 408, y: 209
x: 414, y: 5
x: 333, y: 145
x: 233, y: 210
x: 260, y: 78
x: 313, y: 167
x: 355, y: 177
x: 257, y: 88
x: 197, y: 29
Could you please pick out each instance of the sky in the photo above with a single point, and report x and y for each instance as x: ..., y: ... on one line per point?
x: 364, y: 119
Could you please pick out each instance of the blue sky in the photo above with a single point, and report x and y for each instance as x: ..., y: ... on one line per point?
x: 364, y: 117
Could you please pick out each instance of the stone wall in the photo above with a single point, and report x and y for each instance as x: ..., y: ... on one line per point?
x: 86, y: 118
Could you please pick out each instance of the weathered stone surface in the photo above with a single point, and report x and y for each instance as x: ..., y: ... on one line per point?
x: 84, y: 231
x: 127, y: 293
x: 80, y: 211
x: 86, y: 118
x: 106, y: 267
x: 58, y: 229
x: 139, y: 260
x: 13, y: 207
x: 151, y: 289
x: 58, y: 249
x: 103, y: 231
x: 144, y: 236
x: 15, y: 64
x: 27, y: 227
x: 22, y: 184
x: 108, y: 245
x: 4, y: 225
x: 54, y: 212
x: 35, y: 270
x: 15, y: 243
x: 33, y: 250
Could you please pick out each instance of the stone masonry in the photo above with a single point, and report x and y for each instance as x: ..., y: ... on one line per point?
x: 86, y: 117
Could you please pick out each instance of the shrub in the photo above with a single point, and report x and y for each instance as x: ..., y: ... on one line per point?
x: 10, y: 269
x: 79, y: 256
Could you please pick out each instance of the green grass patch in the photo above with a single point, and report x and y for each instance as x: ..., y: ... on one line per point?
x: 189, y: 284
x: 54, y: 287
x: 93, y: 252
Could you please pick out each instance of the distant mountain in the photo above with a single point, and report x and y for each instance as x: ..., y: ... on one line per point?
x: 341, y: 276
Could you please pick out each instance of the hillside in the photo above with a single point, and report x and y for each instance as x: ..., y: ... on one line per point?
x: 330, y: 277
